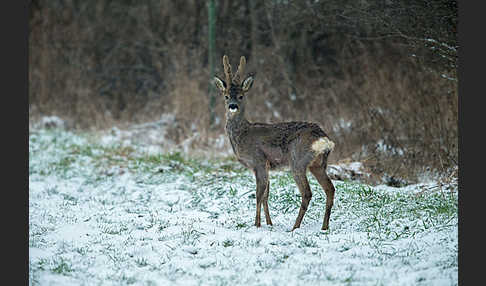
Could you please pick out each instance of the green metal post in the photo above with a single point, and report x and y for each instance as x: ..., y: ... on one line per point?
x: 212, y: 98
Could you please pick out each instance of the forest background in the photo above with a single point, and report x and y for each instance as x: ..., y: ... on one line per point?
x: 380, y: 76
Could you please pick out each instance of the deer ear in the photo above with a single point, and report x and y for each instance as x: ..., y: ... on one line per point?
x: 247, y: 83
x: 219, y: 83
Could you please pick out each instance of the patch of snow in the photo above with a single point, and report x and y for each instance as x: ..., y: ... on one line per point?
x: 48, y: 122
x: 342, y: 126
x: 36, y: 254
x: 78, y: 233
x: 127, y: 226
x: 292, y: 96
x: 423, y: 187
x: 385, y: 148
x: 52, y: 279
x: 347, y: 171
x: 153, y: 136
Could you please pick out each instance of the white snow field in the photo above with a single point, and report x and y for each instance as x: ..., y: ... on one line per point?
x: 115, y: 214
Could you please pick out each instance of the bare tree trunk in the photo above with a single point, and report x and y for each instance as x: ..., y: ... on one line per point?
x: 281, y: 54
x: 211, y: 40
x: 254, y: 27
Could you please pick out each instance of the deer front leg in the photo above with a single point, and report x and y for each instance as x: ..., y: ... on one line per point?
x: 261, y: 175
x: 265, y: 204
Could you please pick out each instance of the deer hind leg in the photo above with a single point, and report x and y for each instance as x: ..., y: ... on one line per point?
x: 261, y: 175
x: 305, y: 191
x: 319, y: 172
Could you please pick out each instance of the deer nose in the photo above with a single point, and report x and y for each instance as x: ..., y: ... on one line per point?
x: 233, y: 106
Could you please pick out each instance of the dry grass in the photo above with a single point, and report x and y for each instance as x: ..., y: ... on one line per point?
x: 374, y: 100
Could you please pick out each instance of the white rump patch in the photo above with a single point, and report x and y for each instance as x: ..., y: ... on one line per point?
x: 322, y: 145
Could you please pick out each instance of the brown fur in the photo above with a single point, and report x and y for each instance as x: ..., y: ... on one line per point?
x: 262, y: 147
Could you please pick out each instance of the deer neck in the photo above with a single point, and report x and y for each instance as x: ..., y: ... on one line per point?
x: 236, y: 126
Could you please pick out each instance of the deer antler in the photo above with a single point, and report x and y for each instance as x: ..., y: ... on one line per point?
x: 240, y: 72
x: 227, y: 69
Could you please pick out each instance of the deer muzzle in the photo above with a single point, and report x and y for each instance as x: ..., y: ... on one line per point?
x: 233, y: 107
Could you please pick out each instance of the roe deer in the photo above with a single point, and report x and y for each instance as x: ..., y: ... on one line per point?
x: 262, y: 147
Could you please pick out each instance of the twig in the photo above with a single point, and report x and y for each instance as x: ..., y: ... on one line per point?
x: 245, y: 194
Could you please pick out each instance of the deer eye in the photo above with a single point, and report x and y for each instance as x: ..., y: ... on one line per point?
x: 226, y: 97
x: 240, y: 97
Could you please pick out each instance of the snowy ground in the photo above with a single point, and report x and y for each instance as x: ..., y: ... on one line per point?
x: 106, y: 213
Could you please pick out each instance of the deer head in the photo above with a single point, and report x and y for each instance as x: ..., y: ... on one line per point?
x: 233, y: 88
